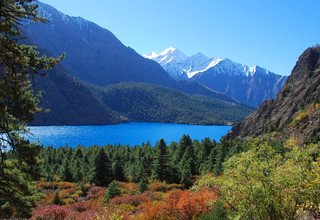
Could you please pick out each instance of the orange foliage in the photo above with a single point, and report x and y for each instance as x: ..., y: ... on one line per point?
x: 128, y: 187
x: 163, y: 201
x: 187, y: 205
x: 135, y: 200
x: 54, y: 185
x: 179, y: 204
x: 152, y: 210
x: 163, y: 187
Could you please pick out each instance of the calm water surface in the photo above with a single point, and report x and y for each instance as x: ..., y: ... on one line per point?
x: 124, y: 134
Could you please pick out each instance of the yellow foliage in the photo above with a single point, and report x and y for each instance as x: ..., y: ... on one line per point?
x: 291, y: 142
x: 302, y: 115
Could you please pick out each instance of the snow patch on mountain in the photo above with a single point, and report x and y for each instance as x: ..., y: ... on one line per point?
x: 51, y: 13
x: 182, y: 67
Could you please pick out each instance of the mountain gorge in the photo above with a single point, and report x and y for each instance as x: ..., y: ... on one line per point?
x: 248, y: 85
x: 295, y: 112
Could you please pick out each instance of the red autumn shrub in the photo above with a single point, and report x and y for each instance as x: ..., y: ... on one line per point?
x: 55, y: 185
x: 162, y: 186
x: 65, y: 193
x: 187, y: 205
x: 152, y: 210
x: 52, y: 212
x: 80, y: 206
x: 95, y: 192
x: 128, y: 187
x: 134, y: 200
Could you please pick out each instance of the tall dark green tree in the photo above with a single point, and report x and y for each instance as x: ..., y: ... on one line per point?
x: 77, y: 170
x: 159, y: 166
x: 66, y: 172
x: 18, y: 103
x: 143, y: 184
x: 186, y: 171
x: 102, y: 174
x: 184, y: 143
x: 117, y: 167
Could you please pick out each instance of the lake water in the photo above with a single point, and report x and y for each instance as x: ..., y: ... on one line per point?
x: 124, y: 134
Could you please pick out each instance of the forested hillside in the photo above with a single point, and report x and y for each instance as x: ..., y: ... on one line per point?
x: 151, y: 103
x: 67, y: 101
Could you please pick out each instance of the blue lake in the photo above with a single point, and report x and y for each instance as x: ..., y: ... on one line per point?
x: 124, y: 134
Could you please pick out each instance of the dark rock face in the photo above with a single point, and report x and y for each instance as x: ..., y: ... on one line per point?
x: 296, y: 109
x: 68, y: 102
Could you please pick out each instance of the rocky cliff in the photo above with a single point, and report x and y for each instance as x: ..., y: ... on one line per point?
x: 295, y: 112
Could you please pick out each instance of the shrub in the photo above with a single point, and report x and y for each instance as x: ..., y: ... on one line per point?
x: 300, y: 116
x: 163, y: 187
x: 53, y: 212
x: 112, y: 191
x: 218, y: 213
x: 56, y: 200
x: 134, y: 200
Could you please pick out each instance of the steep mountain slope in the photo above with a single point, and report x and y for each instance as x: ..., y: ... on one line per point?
x: 69, y: 102
x: 249, y: 85
x: 296, y: 110
x: 151, y: 103
x: 94, y: 55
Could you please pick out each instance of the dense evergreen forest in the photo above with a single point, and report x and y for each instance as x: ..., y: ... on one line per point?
x: 173, y: 163
x: 153, y: 103
x: 196, y: 179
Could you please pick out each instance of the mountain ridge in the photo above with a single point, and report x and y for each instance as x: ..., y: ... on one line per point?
x: 248, y: 85
x: 94, y: 55
x: 153, y: 103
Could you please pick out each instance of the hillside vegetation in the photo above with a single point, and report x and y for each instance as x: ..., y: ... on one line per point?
x: 151, y: 103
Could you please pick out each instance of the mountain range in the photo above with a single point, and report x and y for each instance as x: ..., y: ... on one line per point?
x: 248, y: 85
x: 295, y: 113
x: 96, y: 58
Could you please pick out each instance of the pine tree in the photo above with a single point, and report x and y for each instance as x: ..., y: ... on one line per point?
x: 159, y: 166
x: 66, y: 172
x: 174, y: 162
x: 117, y: 168
x: 143, y: 184
x: 208, y: 165
x: 186, y: 172
x: 184, y: 143
x: 102, y: 174
x: 77, y: 171
x: 112, y: 191
x: 18, y: 103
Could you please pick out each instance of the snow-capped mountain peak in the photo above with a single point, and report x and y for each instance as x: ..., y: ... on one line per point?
x: 182, y: 67
x: 167, y: 56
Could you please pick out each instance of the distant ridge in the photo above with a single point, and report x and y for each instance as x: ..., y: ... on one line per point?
x: 249, y: 85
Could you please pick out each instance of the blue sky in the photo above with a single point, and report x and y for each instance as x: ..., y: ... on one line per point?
x: 269, y: 33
